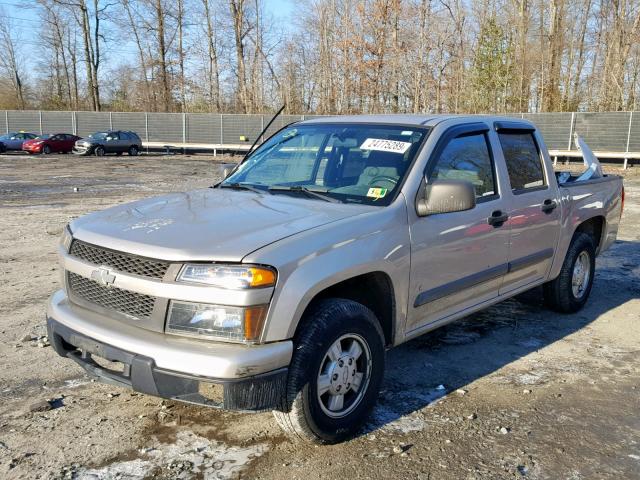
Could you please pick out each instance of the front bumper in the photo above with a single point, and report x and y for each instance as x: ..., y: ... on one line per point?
x: 255, y: 393
x: 252, y: 377
x: 81, y: 150
x: 32, y: 148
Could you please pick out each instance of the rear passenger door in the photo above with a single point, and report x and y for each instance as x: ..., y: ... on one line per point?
x: 458, y: 259
x: 534, y: 216
x: 68, y: 142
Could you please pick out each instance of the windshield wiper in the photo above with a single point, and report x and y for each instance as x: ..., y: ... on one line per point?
x: 305, y: 190
x: 242, y: 186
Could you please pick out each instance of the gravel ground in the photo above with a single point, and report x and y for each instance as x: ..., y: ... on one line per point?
x: 512, y: 392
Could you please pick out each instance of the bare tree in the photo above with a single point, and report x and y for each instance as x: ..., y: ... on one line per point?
x: 240, y: 30
x: 213, y: 69
x: 10, y: 61
x: 336, y: 56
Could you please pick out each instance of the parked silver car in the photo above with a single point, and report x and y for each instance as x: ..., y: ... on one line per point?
x: 113, y: 141
x: 337, y: 239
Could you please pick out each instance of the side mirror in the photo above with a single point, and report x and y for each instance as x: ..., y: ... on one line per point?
x: 446, y: 196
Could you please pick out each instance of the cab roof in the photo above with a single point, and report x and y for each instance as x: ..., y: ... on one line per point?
x: 425, y: 120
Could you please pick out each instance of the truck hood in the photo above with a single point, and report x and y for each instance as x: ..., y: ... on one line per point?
x: 211, y: 224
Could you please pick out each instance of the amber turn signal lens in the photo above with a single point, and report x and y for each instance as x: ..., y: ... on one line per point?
x: 262, y: 277
x: 254, y: 318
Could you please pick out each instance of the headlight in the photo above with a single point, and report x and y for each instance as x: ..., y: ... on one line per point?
x: 66, y: 238
x: 238, y: 324
x: 228, y: 276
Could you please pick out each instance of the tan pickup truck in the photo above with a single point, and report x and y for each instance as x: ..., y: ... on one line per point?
x: 281, y: 287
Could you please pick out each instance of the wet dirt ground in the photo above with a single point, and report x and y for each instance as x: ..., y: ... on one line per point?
x: 512, y: 392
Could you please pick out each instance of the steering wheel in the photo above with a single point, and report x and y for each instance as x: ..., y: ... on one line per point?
x: 383, y: 178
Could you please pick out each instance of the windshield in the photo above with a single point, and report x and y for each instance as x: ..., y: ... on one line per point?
x: 99, y: 135
x: 350, y: 162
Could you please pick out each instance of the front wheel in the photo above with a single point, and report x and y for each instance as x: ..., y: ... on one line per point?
x: 570, y: 290
x: 335, y: 373
x: 46, y: 149
x: 99, y: 151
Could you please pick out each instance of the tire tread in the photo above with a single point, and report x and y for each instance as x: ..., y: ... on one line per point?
x: 323, y: 317
x: 557, y: 293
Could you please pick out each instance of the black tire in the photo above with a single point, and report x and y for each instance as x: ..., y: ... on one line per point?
x: 301, y: 413
x: 133, y: 151
x: 558, y: 293
x: 46, y: 149
x: 99, y: 151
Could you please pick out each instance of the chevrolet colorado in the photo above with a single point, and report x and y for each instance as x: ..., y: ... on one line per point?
x: 281, y: 287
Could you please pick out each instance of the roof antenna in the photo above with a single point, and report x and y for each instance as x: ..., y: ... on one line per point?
x: 262, y: 132
x: 227, y: 171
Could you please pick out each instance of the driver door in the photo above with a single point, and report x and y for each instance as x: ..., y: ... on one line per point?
x: 112, y: 145
x: 458, y: 259
x: 54, y: 143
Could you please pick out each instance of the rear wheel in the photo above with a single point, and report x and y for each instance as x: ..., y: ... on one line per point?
x: 570, y: 290
x: 46, y: 149
x: 133, y: 151
x: 99, y: 151
x: 335, y: 373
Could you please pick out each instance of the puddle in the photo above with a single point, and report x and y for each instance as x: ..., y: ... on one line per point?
x: 190, y: 456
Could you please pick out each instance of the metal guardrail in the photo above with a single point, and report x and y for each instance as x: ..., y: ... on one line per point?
x: 611, y: 133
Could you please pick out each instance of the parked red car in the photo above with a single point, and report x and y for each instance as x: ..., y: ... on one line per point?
x: 59, y: 142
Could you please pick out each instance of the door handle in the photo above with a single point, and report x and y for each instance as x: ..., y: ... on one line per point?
x: 549, y: 205
x: 497, y: 218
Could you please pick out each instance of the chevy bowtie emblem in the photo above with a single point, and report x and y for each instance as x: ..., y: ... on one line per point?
x: 103, y: 276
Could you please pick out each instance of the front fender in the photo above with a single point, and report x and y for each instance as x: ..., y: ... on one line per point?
x: 310, y: 262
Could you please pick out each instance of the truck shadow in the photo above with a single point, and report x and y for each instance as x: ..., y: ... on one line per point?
x: 426, y: 369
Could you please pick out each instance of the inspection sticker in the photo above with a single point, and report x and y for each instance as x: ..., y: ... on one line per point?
x: 377, y: 192
x: 385, y: 145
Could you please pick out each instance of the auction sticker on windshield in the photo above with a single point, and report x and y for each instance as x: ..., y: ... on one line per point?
x: 385, y: 145
x: 376, y: 192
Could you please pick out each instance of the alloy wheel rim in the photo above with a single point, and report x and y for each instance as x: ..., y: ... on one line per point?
x: 581, y: 275
x: 343, y: 376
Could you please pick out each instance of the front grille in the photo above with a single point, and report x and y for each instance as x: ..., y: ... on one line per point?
x: 123, y: 262
x: 123, y: 301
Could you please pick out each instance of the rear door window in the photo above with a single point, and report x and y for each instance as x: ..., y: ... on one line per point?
x: 523, y: 160
x: 468, y: 158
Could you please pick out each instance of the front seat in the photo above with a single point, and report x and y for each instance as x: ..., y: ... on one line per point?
x: 382, y: 164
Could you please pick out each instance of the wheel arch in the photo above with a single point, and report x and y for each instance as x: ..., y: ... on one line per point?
x: 373, y: 289
x: 595, y: 227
